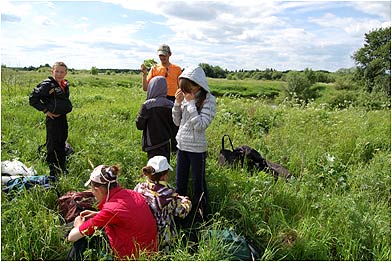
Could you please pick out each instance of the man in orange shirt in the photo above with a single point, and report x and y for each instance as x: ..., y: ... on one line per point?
x: 171, y: 72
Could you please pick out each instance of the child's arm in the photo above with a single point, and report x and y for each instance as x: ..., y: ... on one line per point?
x: 141, y: 119
x: 35, y: 98
x: 183, y: 206
x: 201, y: 120
x: 176, y: 111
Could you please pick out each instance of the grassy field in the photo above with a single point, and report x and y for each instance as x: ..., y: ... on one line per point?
x: 337, y: 206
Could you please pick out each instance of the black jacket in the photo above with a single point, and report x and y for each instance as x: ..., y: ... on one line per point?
x: 156, y: 125
x: 155, y: 115
x: 48, y: 96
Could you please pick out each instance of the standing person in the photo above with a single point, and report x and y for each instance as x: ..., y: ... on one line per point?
x: 164, y: 202
x: 171, y: 72
x: 124, y: 214
x: 51, y: 97
x: 193, y: 111
x: 155, y: 118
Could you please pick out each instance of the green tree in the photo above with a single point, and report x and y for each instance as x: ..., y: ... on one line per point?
x: 94, y: 70
x: 374, y: 61
x: 213, y: 71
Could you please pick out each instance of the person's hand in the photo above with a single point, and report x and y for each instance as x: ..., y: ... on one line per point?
x: 78, y: 221
x: 51, y: 115
x: 144, y: 70
x: 179, y: 96
x: 189, y: 96
x: 87, y: 214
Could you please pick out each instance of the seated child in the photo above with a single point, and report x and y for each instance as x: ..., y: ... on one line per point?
x: 164, y: 202
x: 123, y: 214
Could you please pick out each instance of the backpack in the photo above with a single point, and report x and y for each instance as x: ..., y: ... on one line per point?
x: 227, y: 156
x: 69, y: 150
x: 238, y: 247
x: 250, y: 158
x: 72, y: 203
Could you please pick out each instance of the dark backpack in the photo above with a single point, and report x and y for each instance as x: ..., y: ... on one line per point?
x: 227, y: 156
x: 69, y: 150
x: 250, y: 158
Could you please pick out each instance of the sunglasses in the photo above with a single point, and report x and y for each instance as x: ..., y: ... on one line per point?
x: 167, y: 72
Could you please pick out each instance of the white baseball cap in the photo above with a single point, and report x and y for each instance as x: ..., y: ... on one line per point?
x: 159, y: 163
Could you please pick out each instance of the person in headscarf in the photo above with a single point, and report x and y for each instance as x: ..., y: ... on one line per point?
x: 155, y: 119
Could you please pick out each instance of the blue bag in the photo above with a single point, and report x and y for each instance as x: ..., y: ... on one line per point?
x: 26, y: 182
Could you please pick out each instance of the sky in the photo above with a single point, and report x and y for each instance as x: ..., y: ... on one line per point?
x: 232, y: 34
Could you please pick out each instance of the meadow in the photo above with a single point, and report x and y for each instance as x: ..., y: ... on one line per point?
x: 337, y: 206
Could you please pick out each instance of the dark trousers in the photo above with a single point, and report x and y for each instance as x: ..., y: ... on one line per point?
x: 56, y: 135
x: 196, y: 163
x: 174, y: 130
x: 160, y: 151
x: 173, y: 141
x: 94, y: 242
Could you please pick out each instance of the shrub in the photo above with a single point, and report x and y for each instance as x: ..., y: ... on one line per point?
x: 300, y: 87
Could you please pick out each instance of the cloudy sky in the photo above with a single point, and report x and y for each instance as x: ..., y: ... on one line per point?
x: 232, y: 34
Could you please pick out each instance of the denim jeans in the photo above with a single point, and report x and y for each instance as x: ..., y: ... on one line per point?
x: 196, y: 163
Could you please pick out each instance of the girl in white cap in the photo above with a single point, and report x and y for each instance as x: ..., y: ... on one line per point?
x: 193, y: 111
x: 164, y: 202
x: 124, y: 214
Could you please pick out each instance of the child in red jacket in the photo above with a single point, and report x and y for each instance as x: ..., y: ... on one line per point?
x: 124, y: 214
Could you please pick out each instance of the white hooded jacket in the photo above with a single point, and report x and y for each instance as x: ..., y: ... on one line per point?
x: 192, y: 124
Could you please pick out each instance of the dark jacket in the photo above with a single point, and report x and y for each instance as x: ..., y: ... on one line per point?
x: 155, y: 117
x: 48, y: 96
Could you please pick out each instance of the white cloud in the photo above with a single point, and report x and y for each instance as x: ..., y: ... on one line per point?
x: 379, y: 8
x: 352, y: 26
x: 17, y: 12
x: 43, y: 20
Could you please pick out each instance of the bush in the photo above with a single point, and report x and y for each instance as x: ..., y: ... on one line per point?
x: 299, y: 87
x: 345, y: 83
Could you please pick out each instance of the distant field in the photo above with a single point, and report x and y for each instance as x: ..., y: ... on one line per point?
x: 246, y: 88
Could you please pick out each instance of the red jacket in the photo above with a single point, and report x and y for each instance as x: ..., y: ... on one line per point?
x: 128, y: 222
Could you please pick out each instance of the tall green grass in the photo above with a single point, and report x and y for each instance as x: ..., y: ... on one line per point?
x: 337, y: 206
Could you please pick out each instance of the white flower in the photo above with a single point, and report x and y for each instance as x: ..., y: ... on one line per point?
x: 330, y: 158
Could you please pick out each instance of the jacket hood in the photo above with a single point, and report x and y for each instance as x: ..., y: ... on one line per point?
x: 197, y: 75
x: 157, y: 87
x: 156, y: 93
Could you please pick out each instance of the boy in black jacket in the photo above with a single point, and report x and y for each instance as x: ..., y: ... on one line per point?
x: 155, y: 119
x: 51, y: 97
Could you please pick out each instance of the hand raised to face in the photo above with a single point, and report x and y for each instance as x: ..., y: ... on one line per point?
x: 179, y: 96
